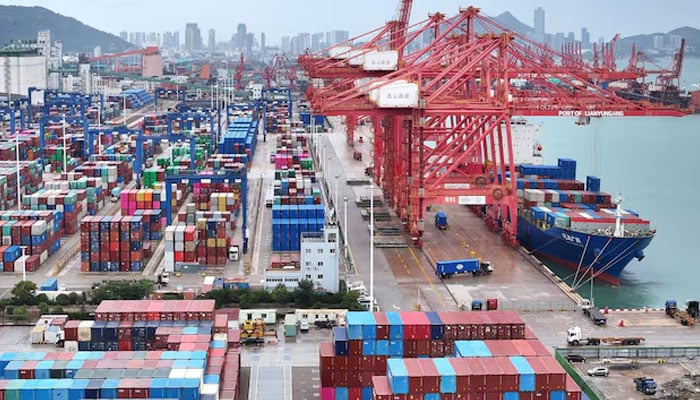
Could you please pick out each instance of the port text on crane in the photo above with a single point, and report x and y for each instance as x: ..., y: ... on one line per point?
x: 591, y: 113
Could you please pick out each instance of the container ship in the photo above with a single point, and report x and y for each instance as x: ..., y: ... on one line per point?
x: 569, y: 222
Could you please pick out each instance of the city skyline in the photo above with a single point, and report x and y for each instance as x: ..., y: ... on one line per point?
x: 283, y: 18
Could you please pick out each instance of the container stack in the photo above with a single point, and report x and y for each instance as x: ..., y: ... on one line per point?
x: 212, y: 240
x: 155, y: 124
x: 152, y: 224
x: 111, y: 172
x: 103, y: 370
x: 240, y: 138
x: 73, y: 204
x: 38, y: 231
x: 289, y: 222
x: 216, y: 196
x: 77, y: 181
x: 111, y: 244
x: 180, y: 246
x: 408, y: 350
x: 31, y: 180
x: 217, y: 162
x: 132, y: 200
x: 54, y: 156
x: 28, y: 148
x: 277, y: 115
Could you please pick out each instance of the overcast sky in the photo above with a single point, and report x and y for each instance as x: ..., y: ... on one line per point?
x: 287, y: 17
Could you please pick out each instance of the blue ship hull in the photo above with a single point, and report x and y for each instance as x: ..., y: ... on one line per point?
x: 608, y: 255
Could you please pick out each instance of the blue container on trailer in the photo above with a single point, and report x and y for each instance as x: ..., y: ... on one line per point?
x: 369, y: 347
x: 43, y: 389
x: 369, y: 326
x: 42, y: 369
x: 382, y: 348
x: 174, y: 389
x: 448, y: 376
x: 353, y: 323
x: 158, y: 388
x: 557, y: 395
x: 398, y: 375
x: 109, y: 389
x: 190, y: 389
x: 342, y: 393
x: 367, y: 393
x: 527, y: 374
x: 396, y: 348
x: 511, y: 396
x: 395, y: 325
x: 28, y: 390
x: 77, y: 389
x: 437, y: 328
x: 60, y: 389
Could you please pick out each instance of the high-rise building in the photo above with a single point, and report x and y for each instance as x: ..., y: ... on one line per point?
x: 318, y: 41
x: 285, y: 45
x: 241, y: 36
x: 262, y: 41
x: 193, y: 37
x: 585, y: 38
x: 211, y: 42
x: 559, y: 40
x: 153, y: 39
x: 124, y: 35
x: 176, y: 40
x: 539, y: 24
x: 570, y: 37
x: 339, y: 37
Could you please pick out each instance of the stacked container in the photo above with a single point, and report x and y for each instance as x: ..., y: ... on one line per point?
x: 111, y: 172
x: 111, y: 244
x: 38, y: 231
x: 140, y: 199
x: 290, y: 222
x: 73, y: 204
x: 155, y: 124
x: 218, y: 162
x: 180, y: 246
x: 213, y: 241
x: 361, y: 349
x: 203, y: 193
x: 240, y: 138
x: 31, y: 179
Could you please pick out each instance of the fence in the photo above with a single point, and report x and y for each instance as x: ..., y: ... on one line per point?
x: 537, y: 306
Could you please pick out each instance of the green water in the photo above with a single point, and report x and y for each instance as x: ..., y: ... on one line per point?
x: 654, y: 163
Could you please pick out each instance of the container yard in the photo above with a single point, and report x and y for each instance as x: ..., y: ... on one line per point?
x: 203, y: 183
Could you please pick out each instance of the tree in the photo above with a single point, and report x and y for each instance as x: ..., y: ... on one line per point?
x: 123, y: 290
x: 23, y: 292
x: 62, y: 300
x: 281, y: 295
x: 304, y: 294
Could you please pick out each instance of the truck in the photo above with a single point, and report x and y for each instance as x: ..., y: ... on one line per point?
x: 164, y: 278
x: 441, y: 220
x: 445, y: 269
x: 683, y: 317
x: 575, y: 338
x: 593, y: 313
x: 645, y: 385
x: 692, y: 307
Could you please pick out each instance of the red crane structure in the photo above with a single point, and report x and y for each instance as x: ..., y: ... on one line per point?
x: 442, y: 112
x: 280, y: 66
x: 238, y: 75
x: 132, y: 61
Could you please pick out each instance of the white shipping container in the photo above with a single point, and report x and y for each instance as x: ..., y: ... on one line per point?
x: 209, y: 391
x: 356, y: 57
x: 85, y: 331
x: 37, y: 336
x: 398, y: 96
x: 221, y: 337
x: 177, y: 373
x: 381, y: 61
x: 339, y: 52
x: 71, y: 345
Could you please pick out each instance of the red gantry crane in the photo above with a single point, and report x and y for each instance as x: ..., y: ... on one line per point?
x: 280, y: 66
x: 238, y: 76
x: 442, y: 112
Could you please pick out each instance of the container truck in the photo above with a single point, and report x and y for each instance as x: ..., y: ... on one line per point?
x: 445, y: 269
x: 441, y: 220
x: 683, y: 317
x: 645, y: 385
x: 575, y: 338
x: 593, y: 313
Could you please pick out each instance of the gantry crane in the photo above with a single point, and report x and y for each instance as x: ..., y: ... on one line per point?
x: 442, y: 115
x: 238, y: 76
x: 280, y: 65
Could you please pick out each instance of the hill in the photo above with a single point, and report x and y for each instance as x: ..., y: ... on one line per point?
x: 24, y: 22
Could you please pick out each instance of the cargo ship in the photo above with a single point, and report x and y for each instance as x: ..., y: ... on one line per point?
x: 569, y: 223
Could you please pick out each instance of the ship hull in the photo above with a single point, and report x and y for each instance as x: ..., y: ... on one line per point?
x: 608, y: 255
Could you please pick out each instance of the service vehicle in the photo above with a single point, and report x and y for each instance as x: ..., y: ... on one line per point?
x: 445, y: 269
x: 575, y: 338
x: 645, y: 385
x: 593, y: 313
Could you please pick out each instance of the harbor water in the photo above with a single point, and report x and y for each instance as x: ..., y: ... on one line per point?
x: 652, y: 162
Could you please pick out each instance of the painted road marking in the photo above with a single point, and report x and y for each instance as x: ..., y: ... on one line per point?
x: 405, y: 267
x: 425, y: 274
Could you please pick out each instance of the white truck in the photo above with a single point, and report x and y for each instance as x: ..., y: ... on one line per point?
x: 575, y: 338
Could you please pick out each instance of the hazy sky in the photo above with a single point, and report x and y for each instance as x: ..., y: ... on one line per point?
x: 287, y: 17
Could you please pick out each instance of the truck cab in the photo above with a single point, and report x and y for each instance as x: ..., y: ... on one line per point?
x: 164, y: 278
x: 645, y: 385
x: 233, y: 254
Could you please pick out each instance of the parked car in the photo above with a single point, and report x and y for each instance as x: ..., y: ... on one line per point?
x: 598, y: 371
x: 304, y: 326
x: 575, y: 358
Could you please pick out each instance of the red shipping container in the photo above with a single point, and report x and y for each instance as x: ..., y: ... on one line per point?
x: 382, y: 324
x: 382, y: 389
x: 416, y: 325
x: 354, y: 379
x: 415, y: 375
x: 327, y: 378
x: 355, y: 347
x: 573, y: 392
x: 354, y: 393
x: 510, y: 380
x: 327, y: 356
x: 366, y: 377
x: 437, y: 348
x: 422, y: 347
x: 557, y: 375
x: 367, y: 363
x: 431, y: 376
x: 409, y: 349
x: 340, y: 378
x: 541, y: 372
x: 380, y: 363
x: 495, y: 374
x: 354, y: 363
